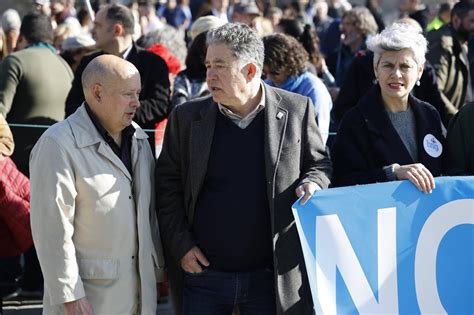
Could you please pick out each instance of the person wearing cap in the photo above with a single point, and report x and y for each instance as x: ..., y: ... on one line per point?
x: 11, y: 23
x: 113, y: 33
x: 246, y: 13
x: 74, y: 48
x: 232, y: 165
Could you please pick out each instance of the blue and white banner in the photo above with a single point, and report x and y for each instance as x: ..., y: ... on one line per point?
x: 389, y: 248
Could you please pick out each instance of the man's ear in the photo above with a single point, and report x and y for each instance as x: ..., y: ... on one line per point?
x: 456, y: 21
x: 97, y: 92
x: 118, y: 29
x: 251, y: 71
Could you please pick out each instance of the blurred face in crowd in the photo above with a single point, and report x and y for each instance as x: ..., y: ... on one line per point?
x: 351, y: 35
x: 225, y: 76
x: 464, y: 27
x: 397, y: 73
x: 277, y: 77
x: 57, y: 6
x: 103, y: 31
x: 220, y: 5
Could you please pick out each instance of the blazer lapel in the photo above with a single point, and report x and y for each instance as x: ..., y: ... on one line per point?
x: 276, y: 119
x: 202, y: 132
x: 386, y: 140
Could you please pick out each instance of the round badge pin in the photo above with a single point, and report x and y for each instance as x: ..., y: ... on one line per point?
x: 432, y: 146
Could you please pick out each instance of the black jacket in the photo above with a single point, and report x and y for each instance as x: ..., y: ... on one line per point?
x: 367, y: 141
x: 359, y: 79
x: 155, y: 93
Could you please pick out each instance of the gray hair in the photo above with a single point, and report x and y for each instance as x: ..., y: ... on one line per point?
x: 242, y: 40
x: 396, y: 37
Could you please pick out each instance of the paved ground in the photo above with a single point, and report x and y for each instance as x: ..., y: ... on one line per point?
x: 34, y: 307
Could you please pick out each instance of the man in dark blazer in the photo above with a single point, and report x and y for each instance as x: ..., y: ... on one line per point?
x: 113, y: 31
x: 231, y: 167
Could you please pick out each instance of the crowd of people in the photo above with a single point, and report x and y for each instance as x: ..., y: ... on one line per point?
x: 262, y: 104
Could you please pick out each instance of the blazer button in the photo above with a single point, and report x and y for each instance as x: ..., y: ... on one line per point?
x: 130, y: 197
x: 133, y: 257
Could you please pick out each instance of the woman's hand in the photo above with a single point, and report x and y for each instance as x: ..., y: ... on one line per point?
x: 416, y: 173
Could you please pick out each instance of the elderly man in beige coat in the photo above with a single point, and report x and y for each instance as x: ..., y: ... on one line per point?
x: 92, y: 208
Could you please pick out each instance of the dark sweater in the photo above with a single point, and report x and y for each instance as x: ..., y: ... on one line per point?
x: 232, y: 218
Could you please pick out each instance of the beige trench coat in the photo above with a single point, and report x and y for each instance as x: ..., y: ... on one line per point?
x: 94, y: 226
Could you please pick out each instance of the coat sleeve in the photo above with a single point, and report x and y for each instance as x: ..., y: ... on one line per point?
x: 11, y: 74
x: 76, y: 95
x: 316, y: 166
x: 155, y: 96
x: 439, y: 59
x: 53, y: 195
x: 459, y: 147
x: 349, y: 155
x: 174, y: 227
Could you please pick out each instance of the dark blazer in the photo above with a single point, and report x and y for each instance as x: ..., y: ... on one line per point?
x: 294, y: 153
x: 367, y: 141
x: 154, y: 96
x: 359, y: 80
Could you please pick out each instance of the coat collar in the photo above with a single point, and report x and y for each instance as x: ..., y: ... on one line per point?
x: 384, y: 136
x: 86, y: 134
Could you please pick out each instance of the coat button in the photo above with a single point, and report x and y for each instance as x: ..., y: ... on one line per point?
x: 133, y: 257
x: 130, y: 197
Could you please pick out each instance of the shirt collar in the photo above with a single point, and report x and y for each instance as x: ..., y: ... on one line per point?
x: 261, y: 105
x: 127, y: 132
x: 127, y: 52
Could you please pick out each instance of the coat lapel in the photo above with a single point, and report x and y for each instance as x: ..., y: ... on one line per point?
x: 385, y: 138
x: 276, y: 119
x: 86, y: 134
x: 202, y: 132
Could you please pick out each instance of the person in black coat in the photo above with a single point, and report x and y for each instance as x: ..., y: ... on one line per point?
x: 360, y: 78
x: 113, y: 29
x: 391, y: 135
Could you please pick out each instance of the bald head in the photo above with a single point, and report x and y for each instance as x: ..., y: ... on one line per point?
x: 105, y: 70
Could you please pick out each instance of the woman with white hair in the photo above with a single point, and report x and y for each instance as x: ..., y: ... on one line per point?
x: 391, y: 135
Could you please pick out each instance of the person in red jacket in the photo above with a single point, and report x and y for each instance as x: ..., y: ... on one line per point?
x: 15, y: 231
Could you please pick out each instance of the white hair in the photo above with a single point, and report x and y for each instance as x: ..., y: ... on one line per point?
x: 396, y: 37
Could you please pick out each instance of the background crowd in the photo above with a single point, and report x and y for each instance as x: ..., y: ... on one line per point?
x: 376, y: 98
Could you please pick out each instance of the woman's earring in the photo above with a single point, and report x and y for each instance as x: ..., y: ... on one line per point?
x: 375, y: 81
x: 418, y: 83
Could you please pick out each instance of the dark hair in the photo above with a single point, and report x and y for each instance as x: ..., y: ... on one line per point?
x: 283, y: 53
x: 117, y: 13
x: 195, y: 59
x: 461, y: 9
x: 305, y: 35
x: 36, y: 28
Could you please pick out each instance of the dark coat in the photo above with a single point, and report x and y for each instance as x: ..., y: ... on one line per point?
x: 154, y: 96
x: 294, y: 153
x: 367, y: 141
x: 460, y: 143
x: 452, y: 68
x: 359, y: 80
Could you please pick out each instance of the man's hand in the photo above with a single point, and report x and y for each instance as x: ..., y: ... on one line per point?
x: 306, y: 189
x: 418, y: 174
x: 78, y: 307
x: 189, y: 262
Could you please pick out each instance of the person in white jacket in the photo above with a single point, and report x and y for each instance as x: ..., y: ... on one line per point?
x: 92, y: 209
